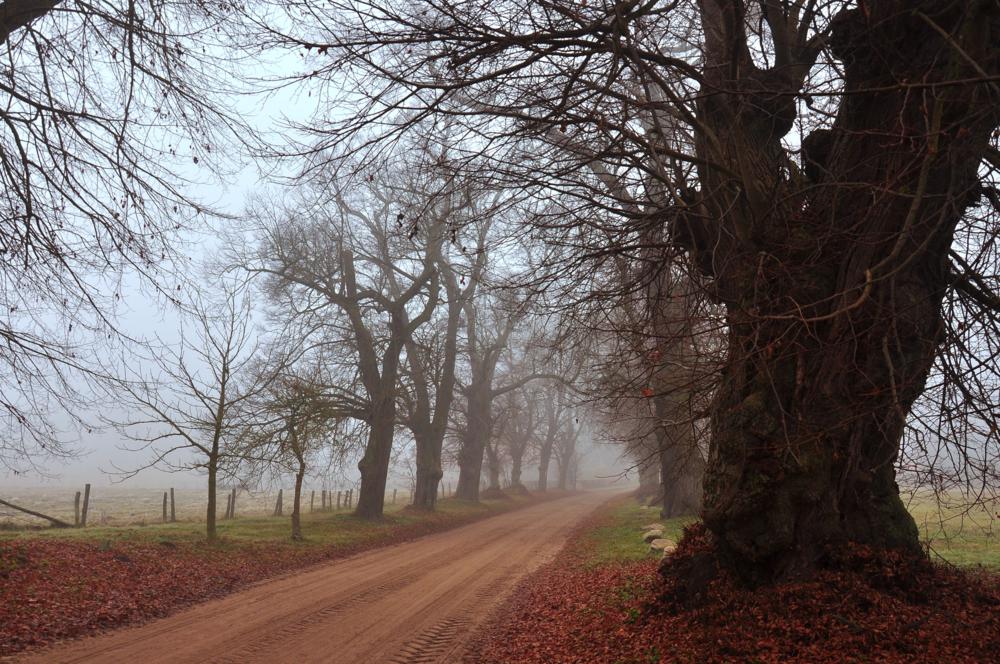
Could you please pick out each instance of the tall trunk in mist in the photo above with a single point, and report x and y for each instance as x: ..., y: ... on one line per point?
x: 484, y: 350
x: 832, y: 279
x: 521, y: 423
x: 429, y: 428
x: 680, y: 461
x: 564, y: 471
x: 516, y: 461
x: 493, y: 466
x: 429, y: 471
x: 479, y: 426
x: 544, y: 459
x: 649, y: 474
x: 566, y: 452
x: 553, y: 398
x: 379, y: 367
x: 677, y: 377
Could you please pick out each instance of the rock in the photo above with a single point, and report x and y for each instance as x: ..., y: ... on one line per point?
x: 664, y: 545
x: 652, y: 535
x: 651, y: 526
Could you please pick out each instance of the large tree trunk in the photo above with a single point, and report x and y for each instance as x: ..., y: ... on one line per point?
x: 374, y: 465
x: 552, y: 400
x: 493, y: 466
x: 429, y: 472
x: 544, y: 459
x: 564, y: 470
x: 477, y: 432
x: 681, y: 464
x: 649, y: 475
x: 833, y: 286
x: 516, y: 460
x: 681, y: 470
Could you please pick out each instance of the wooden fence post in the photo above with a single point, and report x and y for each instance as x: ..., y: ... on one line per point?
x: 76, y: 510
x: 164, y: 507
x: 86, y: 506
x: 338, y: 501
x: 232, y: 510
x: 173, y: 514
x: 277, y: 505
x: 323, y: 508
x: 312, y: 500
x: 394, y: 496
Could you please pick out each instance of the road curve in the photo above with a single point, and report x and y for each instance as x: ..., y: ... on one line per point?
x: 416, y: 602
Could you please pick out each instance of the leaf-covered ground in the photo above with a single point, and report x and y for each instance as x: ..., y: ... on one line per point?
x: 55, y: 588
x: 870, y: 609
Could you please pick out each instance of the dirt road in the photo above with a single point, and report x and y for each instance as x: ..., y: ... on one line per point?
x: 418, y: 602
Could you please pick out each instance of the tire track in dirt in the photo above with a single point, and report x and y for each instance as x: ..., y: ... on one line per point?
x: 411, y: 604
x: 261, y: 644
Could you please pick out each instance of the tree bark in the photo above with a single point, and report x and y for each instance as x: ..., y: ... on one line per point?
x: 211, y: 533
x: 548, y: 442
x: 544, y: 458
x: 681, y: 471
x: 516, y: 460
x: 492, y: 466
x: 478, y: 427
x: 649, y: 476
x: 833, y: 286
x: 429, y: 473
x: 429, y: 430
x: 297, y: 502
x: 563, y: 477
x: 374, y: 465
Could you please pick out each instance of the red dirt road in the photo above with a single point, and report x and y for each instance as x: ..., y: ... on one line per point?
x: 418, y: 602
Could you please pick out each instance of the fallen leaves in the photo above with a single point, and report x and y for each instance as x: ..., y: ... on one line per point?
x: 871, y: 607
x: 57, y: 589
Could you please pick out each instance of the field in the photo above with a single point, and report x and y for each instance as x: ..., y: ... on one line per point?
x: 952, y: 533
x: 958, y: 535
x: 120, y: 506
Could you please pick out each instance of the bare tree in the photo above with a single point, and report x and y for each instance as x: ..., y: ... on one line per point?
x: 354, y: 270
x: 431, y: 360
x: 489, y: 325
x: 522, y: 418
x: 183, y: 403
x: 106, y: 103
x: 289, y: 425
x: 831, y: 160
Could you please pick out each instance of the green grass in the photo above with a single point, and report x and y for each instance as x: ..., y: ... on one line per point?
x: 955, y: 535
x: 958, y: 535
x: 619, y: 538
x: 319, y: 528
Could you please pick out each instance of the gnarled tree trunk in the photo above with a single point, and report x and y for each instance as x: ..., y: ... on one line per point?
x: 833, y: 279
